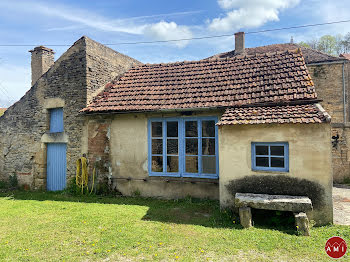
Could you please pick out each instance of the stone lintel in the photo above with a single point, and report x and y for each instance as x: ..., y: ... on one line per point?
x: 273, y: 202
x: 55, y: 138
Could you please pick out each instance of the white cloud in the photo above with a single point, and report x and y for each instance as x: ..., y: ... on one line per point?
x: 80, y: 18
x: 248, y: 13
x: 169, y: 31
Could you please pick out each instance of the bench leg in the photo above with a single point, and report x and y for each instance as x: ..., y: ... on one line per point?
x: 245, y: 215
x: 302, y: 223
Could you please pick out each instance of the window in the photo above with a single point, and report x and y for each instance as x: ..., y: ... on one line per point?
x: 183, y: 147
x: 56, y: 120
x: 270, y: 156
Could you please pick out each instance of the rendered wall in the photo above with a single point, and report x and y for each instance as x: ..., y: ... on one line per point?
x: 127, y: 144
x: 309, y: 158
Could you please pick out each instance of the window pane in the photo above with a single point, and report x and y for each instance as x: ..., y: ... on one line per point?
x: 208, y: 146
x: 209, y: 164
x: 277, y: 150
x: 172, y: 129
x: 262, y: 161
x: 157, y: 163
x: 157, y: 146
x: 172, y: 146
x: 208, y: 128
x: 157, y: 129
x: 191, y: 164
x: 191, y: 146
x: 172, y: 164
x: 191, y: 129
x: 261, y: 150
x: 277, y: 162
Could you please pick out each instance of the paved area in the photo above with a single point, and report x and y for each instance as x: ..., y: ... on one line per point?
x: 341, y: 205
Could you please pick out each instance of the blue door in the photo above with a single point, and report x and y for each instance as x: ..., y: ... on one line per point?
x: 56, y: 166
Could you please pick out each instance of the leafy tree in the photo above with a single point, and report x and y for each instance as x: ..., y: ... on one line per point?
x: 327, y: 44
x: 304, y: 44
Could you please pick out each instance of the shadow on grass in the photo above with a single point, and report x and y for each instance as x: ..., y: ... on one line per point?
x: 183, y: 211
x: 205, y: 213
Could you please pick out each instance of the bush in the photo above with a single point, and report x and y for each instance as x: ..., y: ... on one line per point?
x: 3, y: 184
x: 13, y: 181
x: 72, y: 187
x: 279, y: 185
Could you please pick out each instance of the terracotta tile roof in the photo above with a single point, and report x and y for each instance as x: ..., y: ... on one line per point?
x: 243, y: 80
x: 310, y: 55
x: 310, y: 113
x: 346, y: 56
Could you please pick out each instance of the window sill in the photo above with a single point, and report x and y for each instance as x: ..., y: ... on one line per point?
x: 207, y: 176
x: 271, y: 170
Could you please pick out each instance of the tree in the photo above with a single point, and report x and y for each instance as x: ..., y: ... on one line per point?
x: 327, y: 44
x: 304, y: 44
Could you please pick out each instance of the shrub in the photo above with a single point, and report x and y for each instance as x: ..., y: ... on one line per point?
x: 13, y: 181
x: 279, y: 185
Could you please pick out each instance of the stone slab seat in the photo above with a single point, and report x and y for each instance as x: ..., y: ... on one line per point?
x: 296, y: 204
x: 274, y: 202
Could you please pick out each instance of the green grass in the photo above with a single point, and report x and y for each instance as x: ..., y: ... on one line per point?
x: 39, y: 226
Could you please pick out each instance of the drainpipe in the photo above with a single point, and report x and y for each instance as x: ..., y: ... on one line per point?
x: 344, y: 94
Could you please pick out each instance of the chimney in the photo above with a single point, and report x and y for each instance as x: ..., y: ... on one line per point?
x: 42, y: 60
x: 239, y: 43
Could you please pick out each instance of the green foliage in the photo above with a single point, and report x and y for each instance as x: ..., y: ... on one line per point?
x: 304, y: 44
x: 3, y: 184
x: 13, y: 181
x: 333, y: 45
x: 72, y: 187
x: 136, y: 193
x: 327, y: 44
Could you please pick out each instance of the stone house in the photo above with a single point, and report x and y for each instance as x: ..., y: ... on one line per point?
x: 59, y: 89
x: 205, y: 129
x: 331, y: 77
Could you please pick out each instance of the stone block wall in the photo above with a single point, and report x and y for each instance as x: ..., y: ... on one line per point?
x: 24, y: 128
x: 328, y: 80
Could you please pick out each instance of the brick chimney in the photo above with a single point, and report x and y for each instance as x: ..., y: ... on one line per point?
x: 239, y: 43
x: 42, y: 60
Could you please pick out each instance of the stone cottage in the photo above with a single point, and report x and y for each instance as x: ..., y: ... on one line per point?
x: 331, y: 77
x: 206, y: 129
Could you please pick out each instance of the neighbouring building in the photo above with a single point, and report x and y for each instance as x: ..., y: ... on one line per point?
x: 331, y: 77
x: 206, y: 129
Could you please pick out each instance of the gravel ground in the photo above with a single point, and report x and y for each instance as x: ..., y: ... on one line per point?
x: 341, y: 205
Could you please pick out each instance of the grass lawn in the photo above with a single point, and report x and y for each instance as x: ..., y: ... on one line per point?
x: 39, y: 226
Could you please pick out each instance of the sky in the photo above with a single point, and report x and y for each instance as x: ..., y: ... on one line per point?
x: 53, y: 22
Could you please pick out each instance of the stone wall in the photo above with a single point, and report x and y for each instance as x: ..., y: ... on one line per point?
x: 104, y: 65
x: 68, y: 83
x: 328, y: 80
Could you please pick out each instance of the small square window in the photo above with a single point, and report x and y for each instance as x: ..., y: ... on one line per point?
x: 270, y: 156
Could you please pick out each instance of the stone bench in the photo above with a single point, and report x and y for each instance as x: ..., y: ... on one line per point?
x: 296, y: 204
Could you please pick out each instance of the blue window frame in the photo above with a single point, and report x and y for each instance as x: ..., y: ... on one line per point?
x: 56, y: 120
x: 272, y: 156
x: 183, y: 147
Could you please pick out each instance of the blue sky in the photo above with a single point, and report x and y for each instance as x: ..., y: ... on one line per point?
x: 54, y: 22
